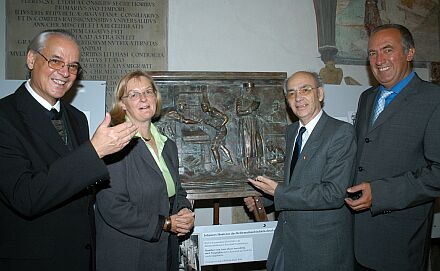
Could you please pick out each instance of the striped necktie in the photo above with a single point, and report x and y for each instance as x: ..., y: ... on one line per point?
x: 58, y: 123
x: 380, y: 105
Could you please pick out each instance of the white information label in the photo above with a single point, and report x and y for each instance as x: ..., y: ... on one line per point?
x: 228, y: 251
x: 234, y: 243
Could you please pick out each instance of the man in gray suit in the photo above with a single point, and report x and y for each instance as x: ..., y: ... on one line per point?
x: 398, y: 159
x: 314, y: 230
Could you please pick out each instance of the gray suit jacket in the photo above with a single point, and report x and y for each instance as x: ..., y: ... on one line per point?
x: 314, y: 226
x: 400, y: 156
x: 130, y: 213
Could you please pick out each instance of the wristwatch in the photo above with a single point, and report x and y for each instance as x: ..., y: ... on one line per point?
x: 167, y: 225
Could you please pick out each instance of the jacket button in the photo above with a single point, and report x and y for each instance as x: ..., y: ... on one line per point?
x: 367, y: 140
x: 360, y: 168
x: 88, y: 246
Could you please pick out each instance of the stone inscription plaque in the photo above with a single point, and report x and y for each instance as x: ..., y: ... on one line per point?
x: 228, y: 126
x: 116, y: 37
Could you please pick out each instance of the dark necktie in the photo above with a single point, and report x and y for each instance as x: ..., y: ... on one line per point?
x: 58, y: 123
x: 297, y: 149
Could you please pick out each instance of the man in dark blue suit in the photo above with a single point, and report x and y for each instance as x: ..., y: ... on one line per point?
x: 48, y: 164
x: 398, y: 159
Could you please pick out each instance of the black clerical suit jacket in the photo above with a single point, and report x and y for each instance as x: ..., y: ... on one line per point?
x: 44, y: 207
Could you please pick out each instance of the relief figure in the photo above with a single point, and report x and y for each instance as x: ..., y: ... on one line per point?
x: 250, y: 138
x: 217, y: 120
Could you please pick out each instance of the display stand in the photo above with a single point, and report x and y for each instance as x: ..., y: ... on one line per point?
x: 238, y: 190
x: 228, y: 127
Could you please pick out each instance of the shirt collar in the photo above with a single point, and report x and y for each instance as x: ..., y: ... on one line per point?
x: 399, y: 86
x: 40, y: 99
x: 158, y: 137
x: 311, y: 125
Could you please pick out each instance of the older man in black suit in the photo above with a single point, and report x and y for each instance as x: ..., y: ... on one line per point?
x: 47, y: 162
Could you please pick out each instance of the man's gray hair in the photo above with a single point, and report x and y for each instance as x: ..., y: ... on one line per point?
x: 316, y: 77
x: 39, y: 41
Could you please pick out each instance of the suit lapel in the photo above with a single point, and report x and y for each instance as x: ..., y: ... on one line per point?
x: 77, y: 132
x: 397, y: 103
x: 369, y: 104
x: 290, y: 142
x: 169, y: 161
x: 36, y: 119
x: 312, y: 144
x: 146, y: 155
x: 148, y: 158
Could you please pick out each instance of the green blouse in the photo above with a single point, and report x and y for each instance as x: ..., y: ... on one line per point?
x: 160, y: 143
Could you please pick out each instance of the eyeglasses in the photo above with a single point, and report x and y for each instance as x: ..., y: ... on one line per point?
x: 56, y: 64
x: 136, y: 95
x: 302, y: 90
